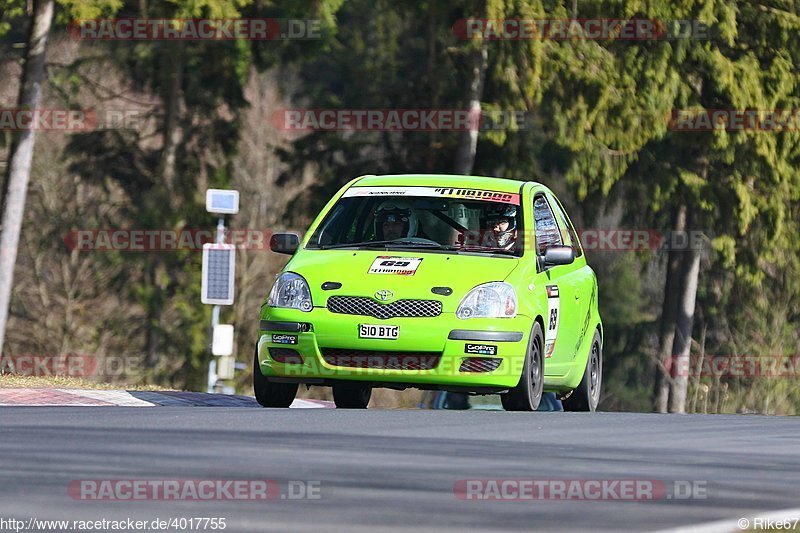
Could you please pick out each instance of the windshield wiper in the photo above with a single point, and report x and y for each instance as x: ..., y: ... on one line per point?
x: 480, y: 248
x: 369, y: 244
x: 417, y: 243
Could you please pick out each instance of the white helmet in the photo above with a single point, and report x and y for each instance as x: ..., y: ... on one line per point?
x: 504, y: 239
x: 396, y: 211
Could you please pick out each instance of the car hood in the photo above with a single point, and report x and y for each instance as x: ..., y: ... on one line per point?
x: 351, y: 268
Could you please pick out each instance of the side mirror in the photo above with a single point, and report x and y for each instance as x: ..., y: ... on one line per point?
x: 558, y: 255
x: 284, y: 243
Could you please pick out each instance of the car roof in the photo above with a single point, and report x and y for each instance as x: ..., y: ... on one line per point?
x: 442, y: 180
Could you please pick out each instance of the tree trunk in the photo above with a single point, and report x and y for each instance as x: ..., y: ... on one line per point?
x: 154, y: 306
x: 15, y: 186
x: 669, y: 312
x: 465, y: 156
x: 432, y: 70
x: 690, y: 273
x: 172, y: 102
x: 172, y: 137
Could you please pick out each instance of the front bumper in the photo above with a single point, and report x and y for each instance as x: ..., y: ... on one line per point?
x: 444, y: 338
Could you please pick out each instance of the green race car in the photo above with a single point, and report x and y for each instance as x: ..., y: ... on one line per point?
x: 465, y: 284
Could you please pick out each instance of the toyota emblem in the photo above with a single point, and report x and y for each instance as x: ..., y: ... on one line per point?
x: 384, y: 295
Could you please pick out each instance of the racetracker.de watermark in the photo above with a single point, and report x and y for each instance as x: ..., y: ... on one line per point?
x: 399, y: 120
x: 735, y: 366
x: 162, y: 240
x: 639, y: 240
x: 610, y: 239
x: 579, y: 489
x: 195, y: 29
x: 165, y: 240
x: 193, y: 489
x: 72, y: 365
x: 689, y: 120
x: 69, y: 120
x: 182, y: 523
x: 567, y: 29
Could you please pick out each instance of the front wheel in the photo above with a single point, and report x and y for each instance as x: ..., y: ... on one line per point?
x: 351, y: 395
x: 271, y: 394
x: 587, y: 395
x: 528, y: 392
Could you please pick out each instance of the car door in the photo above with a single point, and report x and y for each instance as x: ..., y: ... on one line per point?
x: 561, y: 286
x: 583, y: 279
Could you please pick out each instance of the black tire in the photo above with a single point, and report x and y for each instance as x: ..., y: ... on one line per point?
x: 587, y: 395
x: 351, y: 395
x: 270, y: 394
x: 528, y: 392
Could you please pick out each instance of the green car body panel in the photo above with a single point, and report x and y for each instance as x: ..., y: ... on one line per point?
x: 577, y: 309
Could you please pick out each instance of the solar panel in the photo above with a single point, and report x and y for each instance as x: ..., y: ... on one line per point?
x: 219, y: 267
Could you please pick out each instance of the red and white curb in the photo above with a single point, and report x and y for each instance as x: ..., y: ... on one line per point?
x: 124, y: 398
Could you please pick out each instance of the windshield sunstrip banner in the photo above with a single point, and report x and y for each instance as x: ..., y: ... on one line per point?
x: 441, y: 192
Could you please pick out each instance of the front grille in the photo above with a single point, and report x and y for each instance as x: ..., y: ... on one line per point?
x: 380, y: 359
x: 361, y: 305
x: 479, y: 364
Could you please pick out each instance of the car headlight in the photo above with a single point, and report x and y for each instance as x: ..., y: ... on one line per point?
x: 290, y: 290
x: 489, y: 300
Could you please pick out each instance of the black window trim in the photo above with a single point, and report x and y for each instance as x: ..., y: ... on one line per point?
x: 573, y: 235
x: 535, y: 236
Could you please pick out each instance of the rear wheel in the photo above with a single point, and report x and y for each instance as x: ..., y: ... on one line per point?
x: 271, y: 394
x: 587, y: 395
x: 528, y: 392
x: 351, y: 395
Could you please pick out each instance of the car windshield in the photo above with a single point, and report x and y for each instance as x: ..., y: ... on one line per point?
x: 432, y: 218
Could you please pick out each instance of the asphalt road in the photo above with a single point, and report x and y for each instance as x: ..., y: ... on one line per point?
x: 396, y: 469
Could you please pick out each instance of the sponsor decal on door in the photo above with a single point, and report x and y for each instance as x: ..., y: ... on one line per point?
x: 551, y: 323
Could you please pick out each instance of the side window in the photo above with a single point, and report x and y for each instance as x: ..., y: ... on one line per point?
x: 567, y: 230
x: 547, y: 233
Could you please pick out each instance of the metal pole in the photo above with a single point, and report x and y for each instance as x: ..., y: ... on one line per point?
x: 220, y: 231
x: 212, y: 374
x: 212, y: 364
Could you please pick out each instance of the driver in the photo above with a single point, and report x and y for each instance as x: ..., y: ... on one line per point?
x: 500, y: 226
x: 395, y: 219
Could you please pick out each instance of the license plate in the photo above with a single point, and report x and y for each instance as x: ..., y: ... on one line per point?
x: 368, y: 331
